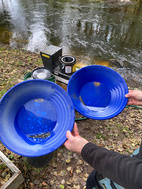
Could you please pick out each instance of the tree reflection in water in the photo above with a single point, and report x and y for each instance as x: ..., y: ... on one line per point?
x: 92, y: 31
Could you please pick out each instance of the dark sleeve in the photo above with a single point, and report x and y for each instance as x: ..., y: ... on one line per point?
x: 124, y: 170
x: 140, y: 152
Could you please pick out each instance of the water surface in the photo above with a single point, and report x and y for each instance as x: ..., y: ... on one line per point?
x: 93, y: 31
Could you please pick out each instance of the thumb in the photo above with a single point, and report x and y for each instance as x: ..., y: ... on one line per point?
x: 69, y: 135
x: 128, y: 95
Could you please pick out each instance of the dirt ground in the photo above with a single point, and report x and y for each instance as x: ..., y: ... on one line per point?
x: 66, y: 169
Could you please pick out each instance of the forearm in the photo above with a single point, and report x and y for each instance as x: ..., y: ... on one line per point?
x: 122, y: 169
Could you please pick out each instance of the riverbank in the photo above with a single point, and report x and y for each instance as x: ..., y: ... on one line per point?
x: 67, y: 169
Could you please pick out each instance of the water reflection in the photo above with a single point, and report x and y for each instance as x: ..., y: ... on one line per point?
x: 92, y: 31
x: 14, y: 22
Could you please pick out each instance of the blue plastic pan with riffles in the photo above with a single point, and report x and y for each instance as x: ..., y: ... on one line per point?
x: 34, y: 117
x: 97, y: 92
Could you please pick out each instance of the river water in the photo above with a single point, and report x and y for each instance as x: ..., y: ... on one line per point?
x: 95, y: 32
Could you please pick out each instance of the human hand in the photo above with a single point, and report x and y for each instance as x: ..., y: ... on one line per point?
x: 74, y: 141
x: 134, y: 97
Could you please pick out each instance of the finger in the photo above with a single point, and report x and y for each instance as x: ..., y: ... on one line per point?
x: 73, y: 134
x: 69, y: 135
x: 69, y: 138
x: 73, y: 131
x: 76, y: 130
x: 131, y: 101
x: 130, y: 94
x: 127, y: 95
